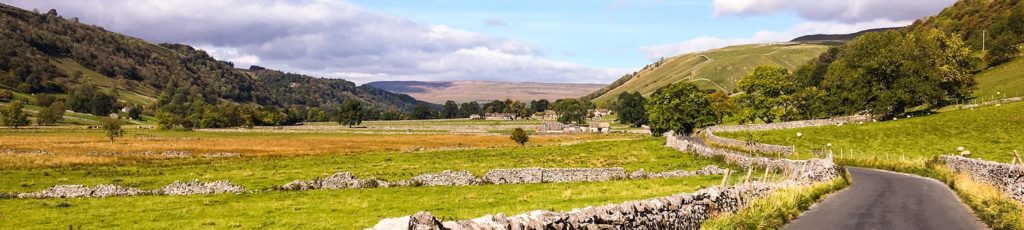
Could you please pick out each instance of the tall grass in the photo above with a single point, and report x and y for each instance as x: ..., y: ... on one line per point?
x: 779, y: 208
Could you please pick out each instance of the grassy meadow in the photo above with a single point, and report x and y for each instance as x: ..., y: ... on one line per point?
x: 990, y: 133
x: 272, y: 159
x: 333, y: 209
x: 268, y: 170
x: 1001, y: 81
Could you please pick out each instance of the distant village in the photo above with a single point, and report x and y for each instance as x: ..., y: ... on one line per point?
x: 552, y: 125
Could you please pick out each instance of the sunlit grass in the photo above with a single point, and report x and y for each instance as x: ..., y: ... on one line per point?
x: 779, y: 208
x: 990, y: 133
x: 266, y: 172
x: 344, y: 209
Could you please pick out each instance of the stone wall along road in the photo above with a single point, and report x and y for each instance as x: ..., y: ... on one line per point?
x: 1006, y: 177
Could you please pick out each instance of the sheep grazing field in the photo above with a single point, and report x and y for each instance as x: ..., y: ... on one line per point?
x: 138, y: 178
x: 992, y: 133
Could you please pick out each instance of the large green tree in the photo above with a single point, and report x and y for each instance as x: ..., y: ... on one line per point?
x: 571, y: 111
x: 721, y: 105
x: 886, y: 73
x: 681, y: 107
x: 350, y: 113
x: 766, y: 94
x: 630, y: 109
x: 422, y: 111
x: 450, y: 109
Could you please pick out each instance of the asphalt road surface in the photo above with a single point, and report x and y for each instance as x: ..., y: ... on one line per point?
x: 887, y: 200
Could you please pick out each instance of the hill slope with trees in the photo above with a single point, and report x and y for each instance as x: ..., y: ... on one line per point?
x: 717, y: 69
x: 44, y: 53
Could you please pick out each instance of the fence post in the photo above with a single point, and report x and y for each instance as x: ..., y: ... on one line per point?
x: 726, y: 177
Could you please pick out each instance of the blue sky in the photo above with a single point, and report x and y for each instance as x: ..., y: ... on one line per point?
x: 595, y: 33
x: 442, y: 40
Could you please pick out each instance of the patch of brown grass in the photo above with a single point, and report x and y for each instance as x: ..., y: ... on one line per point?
x: 19, y: 149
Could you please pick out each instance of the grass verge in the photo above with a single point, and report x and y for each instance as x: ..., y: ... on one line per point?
x: 779, y: 208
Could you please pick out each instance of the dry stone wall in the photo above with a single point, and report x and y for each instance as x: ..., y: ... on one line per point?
x: 993, y: 102
x: 1007, y: 177
x: 681, y: 211
x: 800, y: 170
x: 790, y: 124
x: 177, y: 188
x: 748, y: 146
x: 345, y: 180
x: 545, y: 175
x: 769, y: 148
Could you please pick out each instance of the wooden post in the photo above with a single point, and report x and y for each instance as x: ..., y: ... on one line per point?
x: 766, y: 170
x: 749, y: 171
x: 725, y: 178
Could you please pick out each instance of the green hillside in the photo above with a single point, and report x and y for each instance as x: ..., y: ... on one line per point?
x: 713, y: 69
x: 1006, y: 80
x: 45, y: 53
x: 990, y: 133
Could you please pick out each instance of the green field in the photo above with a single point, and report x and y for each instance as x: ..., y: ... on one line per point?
x: 266, y: 172
x: 990, y: 133
x: 716, y: 69
x: 346, y: 209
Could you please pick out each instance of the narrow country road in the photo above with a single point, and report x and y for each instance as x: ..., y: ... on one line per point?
x: 887, y: 200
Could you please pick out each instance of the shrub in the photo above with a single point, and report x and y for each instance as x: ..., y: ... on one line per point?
x: 519, y: 135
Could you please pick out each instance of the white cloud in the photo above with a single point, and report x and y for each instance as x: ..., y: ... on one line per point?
x: 655, y: 52
x: 848, y: 11
x: 326, y: 38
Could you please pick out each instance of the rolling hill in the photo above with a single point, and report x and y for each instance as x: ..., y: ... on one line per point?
x: 465, y: 91
x: 837, y: 37
x: 713, y: 69
x: 47, y: 53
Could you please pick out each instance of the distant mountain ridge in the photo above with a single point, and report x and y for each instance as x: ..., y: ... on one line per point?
x: 465, y: 91
x: 838, y: 37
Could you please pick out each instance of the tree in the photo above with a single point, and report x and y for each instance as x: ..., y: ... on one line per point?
x: 681, y: 107
x: 519, y: 135
x: 495, y: 106
x: 422, y: 111
x: 350, y: 113
x: 6, y: 95
x: 469, y: 108
x: 766, y: 94
x: 886, y: 73
x: 571, y: 111
x: 134, y: 113
x: 630, y: 108
x: 44, y: 100
x: 539, y: 105
x: 14, y: 115
x: 112, y: 128
x: 450, y: 109
x: 721, y: 105
x: 88, y: 99
x: 518, y: 108
x: 51, y: 115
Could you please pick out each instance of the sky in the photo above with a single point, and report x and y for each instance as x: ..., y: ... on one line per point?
x: 563, y: 41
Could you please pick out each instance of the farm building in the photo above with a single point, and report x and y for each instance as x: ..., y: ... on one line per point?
x: 500, y: 116
x: 546, y: 115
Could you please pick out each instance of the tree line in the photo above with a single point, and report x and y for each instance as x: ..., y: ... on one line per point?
x: 883, y: 74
